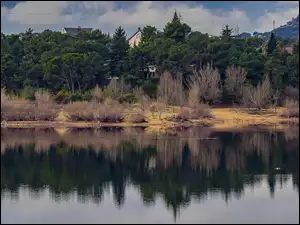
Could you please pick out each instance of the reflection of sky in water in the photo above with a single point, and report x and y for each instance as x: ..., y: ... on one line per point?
x: 255, y: 206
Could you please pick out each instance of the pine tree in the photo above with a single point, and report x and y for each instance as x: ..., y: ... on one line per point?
x: 148, y: 33
x: 226, y: 32
x: 271, y: 44
x: 118, y: 53
x: 176, y: 29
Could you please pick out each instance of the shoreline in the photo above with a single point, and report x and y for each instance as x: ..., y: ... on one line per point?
x: 161, y: 126
x: 223, y: 118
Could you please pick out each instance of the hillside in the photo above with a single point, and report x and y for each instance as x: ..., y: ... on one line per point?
x: 289, y: 30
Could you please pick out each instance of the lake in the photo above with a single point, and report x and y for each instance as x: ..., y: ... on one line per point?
x: 114, y: 175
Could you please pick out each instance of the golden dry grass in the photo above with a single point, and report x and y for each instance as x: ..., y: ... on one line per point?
x: 230, y: 118
x: 223, y: 118
x: 62, y: 116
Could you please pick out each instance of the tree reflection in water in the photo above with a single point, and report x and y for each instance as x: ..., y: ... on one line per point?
x: 182, y: 166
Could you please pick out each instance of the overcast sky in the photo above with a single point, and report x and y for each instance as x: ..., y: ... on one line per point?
x: 207, y: 17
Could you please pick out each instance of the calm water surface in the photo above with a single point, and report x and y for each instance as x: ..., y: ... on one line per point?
x: 131, y: 176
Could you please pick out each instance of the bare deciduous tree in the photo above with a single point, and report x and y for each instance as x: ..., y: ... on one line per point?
x: 275, y: 98
x: 291, y: 109
x: 166, y: 90
x: 119, y: 86
x: 43, y: 98
x: 97, y: 93
x: 143, y: 99
x: 207, y: 80
x: 124, y: 87
x: 193, y: 95
x: 179, y: 91
x: 113, y: 85
x: 235, y: 81
x: 258, y: 97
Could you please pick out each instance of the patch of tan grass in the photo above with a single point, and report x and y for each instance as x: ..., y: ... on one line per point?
x: 229, y: 117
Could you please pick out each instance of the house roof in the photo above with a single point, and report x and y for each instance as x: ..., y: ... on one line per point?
x: 289, y: 49
x: 76, y: 30
x: 139, y: 30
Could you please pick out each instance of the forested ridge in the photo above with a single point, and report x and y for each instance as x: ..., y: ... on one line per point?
x: 54, y: 61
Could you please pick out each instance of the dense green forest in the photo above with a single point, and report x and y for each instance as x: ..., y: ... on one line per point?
x: 55, y: 61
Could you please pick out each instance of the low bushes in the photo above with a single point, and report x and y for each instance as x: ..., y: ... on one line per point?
x: 186, y: 114
x: 138, y: 118
x: 291, y: 109
x: 28, y: 93
x: 110, y: 111
x: 43, y: 109
x: 127, y: 98
x: 62, y: 97
x: 157, y: 107
x: 150, y: 89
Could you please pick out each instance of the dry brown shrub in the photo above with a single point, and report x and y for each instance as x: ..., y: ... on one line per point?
x: 109, y: 102
x: 18, y: 112
x: 258, y: 97
x: 207, y: 83
x: 201, y: 111
x: 110, y: 111
x: 80, y: 111
x: 142, y: 98
x: 46, y: 113
x: 182, y: 116
x: 161, y: 108
x: 138, y: 118
x: 166, y: 89
x: 235, y: 81
x: 43, y: 98
x: 153, y: 108
x: 194, y: 95
x: 44, y: 109
x: 97, y: 94
x: 291, y: 109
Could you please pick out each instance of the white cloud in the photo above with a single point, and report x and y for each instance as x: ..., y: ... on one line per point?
x: 106, y: 16
x: 4, y: 13
x: 288, y: 3
x: 37, y: 12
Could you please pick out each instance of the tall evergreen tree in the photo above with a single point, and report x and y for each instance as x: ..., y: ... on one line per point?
x: 226, y: 32
x: 271, y: 44
x: 148, y: 33
x: 176, y: 29
x: 118, y: 53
